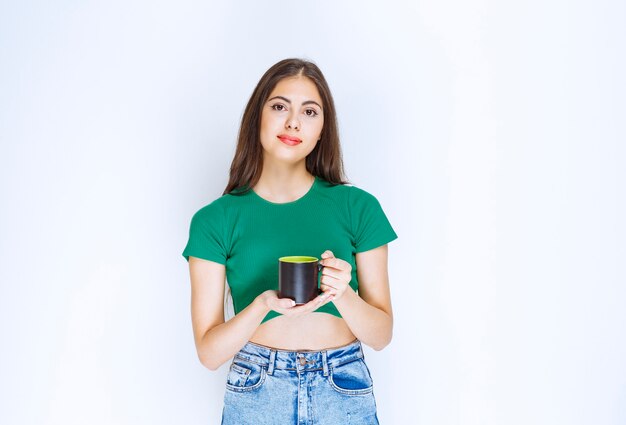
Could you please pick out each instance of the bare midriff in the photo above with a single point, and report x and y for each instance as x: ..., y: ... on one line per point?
x: 314, y: 331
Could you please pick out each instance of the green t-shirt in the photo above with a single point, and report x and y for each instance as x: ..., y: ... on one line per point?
x: 248, y: 234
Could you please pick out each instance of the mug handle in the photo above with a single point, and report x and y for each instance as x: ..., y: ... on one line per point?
x: 319, y: 277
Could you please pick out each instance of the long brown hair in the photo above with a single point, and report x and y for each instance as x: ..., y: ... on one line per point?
x: 324, y: 161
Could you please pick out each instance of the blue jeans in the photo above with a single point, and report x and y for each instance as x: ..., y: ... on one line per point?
x: 278, y: 387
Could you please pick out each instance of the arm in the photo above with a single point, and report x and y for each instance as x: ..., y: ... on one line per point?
x: 217, y: 341
x: 368, y: 313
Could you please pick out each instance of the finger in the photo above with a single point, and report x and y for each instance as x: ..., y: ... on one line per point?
x: 274, y: 301
x: 333, y: 282
x: 320, y: 300
x: 313, y: 303
x: 328, y: 288
x: 336, y: 263
x: 324, y: 299
x: 328, y: 254
x: 308, y: 307
x: 336, y: 273
x: 295, y: 311
x: 329, y: 292
x: 286, y: 303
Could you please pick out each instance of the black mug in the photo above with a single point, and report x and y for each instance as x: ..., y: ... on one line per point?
x: 298, y: 278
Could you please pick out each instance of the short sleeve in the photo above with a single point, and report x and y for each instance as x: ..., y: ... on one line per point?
x: 370, y: 225
x: 206, y: 238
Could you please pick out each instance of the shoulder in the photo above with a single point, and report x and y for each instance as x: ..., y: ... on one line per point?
x: 348, y: 193
x: 360, y: 195
x: 217, y: 208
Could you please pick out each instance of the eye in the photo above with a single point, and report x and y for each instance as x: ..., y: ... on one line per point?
x: 311, y: 112
x: 278, y: 107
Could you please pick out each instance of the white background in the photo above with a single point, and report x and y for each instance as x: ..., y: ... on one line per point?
x: 492, y: 132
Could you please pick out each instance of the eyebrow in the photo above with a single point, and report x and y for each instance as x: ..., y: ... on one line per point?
x: 308, y: 102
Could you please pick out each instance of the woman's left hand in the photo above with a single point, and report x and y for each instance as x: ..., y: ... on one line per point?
x: 336, y: 275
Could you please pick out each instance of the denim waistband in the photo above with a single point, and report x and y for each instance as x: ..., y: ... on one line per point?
x: 301, y: 361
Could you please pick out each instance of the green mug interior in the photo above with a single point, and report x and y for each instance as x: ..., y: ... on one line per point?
x: 298, y: 259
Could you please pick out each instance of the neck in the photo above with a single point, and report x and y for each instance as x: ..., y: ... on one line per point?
x: 283, y: 184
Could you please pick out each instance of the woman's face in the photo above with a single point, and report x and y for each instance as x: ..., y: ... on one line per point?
x: 291, y: 120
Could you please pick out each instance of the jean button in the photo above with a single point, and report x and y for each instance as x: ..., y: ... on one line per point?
x: 302, y: 361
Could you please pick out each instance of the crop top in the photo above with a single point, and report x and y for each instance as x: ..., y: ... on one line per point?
x: 247, y: 234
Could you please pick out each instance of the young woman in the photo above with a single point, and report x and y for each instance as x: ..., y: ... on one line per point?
x: 287, y: 195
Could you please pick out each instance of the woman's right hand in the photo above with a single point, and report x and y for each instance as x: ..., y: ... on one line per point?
x: 288, y: 307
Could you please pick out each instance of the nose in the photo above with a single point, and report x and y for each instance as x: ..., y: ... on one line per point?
x: 292, y: 122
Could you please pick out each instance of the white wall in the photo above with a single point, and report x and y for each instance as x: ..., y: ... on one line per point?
x: 492, y: 133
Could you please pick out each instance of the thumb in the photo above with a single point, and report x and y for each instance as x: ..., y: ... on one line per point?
x: 328, y: 254
x: 286, y: 303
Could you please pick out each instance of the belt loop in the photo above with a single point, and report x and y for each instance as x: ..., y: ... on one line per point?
x: 270, y: 368
x: 325, y: 363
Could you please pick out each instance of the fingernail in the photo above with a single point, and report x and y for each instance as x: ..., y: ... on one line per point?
x: 293, y: 303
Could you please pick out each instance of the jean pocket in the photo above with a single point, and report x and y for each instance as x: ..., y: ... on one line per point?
x: 351, y: 378
x: 245, y: 376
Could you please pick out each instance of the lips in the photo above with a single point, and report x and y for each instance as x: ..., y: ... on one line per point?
x: 288, y: 140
